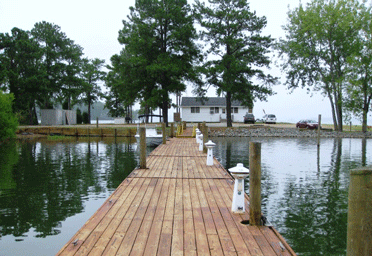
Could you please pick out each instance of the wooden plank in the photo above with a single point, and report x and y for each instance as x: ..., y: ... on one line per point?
x: 177, y: 235
x: 223, y: 234
x: 155, y: 232
x: 70, y: 248
x: 140, y: 242
x: 135, y: 223
x: 189, y: 232
x: 126, y: 219
x: 165, y: 241
x: 200, y: 232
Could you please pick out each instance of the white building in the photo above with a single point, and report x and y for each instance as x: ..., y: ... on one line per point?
x: 211, y: 110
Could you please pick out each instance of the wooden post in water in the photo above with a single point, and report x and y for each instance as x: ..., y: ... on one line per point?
x: 255, y: 183
x: 97, y: 122
x: 205, y: 137
x: 172, y: 130
x: 359, y: 221
x: 163, y: 132
x: 319, y: 124
x: 142, y: 133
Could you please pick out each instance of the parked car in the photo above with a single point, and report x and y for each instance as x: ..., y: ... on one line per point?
x: 269, y: 119
x: 307, y: 124
x: 249, y: 118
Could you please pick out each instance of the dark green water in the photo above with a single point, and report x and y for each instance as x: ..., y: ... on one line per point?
x: 48, y: 190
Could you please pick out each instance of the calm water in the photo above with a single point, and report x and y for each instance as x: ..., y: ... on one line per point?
x: 49, y: 189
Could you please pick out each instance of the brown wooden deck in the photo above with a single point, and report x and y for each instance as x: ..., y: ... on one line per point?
x: 178, y: 206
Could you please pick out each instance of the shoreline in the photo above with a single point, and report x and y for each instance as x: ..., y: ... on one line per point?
x: 270, y: 131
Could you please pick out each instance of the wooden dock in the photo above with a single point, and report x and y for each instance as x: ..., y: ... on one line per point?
x: 178, y: 206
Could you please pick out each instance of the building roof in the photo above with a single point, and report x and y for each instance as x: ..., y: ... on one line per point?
x: 209, y: 102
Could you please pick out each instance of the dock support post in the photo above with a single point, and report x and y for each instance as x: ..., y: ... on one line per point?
x: 319, y: 124
x: 142, y: 133
x: 172, y: 130
x: 255, y: 183
x: 359, y: 221
x: 205, y: 137
x: 97, y: 122
x: 163, y: 133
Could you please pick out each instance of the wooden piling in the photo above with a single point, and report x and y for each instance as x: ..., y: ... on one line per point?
x: 205, y: 137
x: 163, y: 133
x: 172, y: 130
x: 142, y: 133
x: 255, y: 183
x: 359, y: 222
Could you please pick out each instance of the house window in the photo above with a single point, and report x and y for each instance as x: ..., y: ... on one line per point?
x: 214, y: 110
x: 234, y: 110
x: 195, y: 109
x: 223, y: 111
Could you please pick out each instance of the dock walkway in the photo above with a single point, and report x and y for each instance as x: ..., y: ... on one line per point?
x: 178, y: 206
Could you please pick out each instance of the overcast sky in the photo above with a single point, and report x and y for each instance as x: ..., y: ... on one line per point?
x: 94, y: 25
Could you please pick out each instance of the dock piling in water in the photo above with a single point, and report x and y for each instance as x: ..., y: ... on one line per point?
x: 255, y: 183
x: 359, y: 221
x: 142, y: 132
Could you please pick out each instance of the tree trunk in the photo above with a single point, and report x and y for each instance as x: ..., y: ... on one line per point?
x: 339, y: 115
x: 228, y: 109
x: 89, y: 103
x: 165, y: 112
x: 364, y: 121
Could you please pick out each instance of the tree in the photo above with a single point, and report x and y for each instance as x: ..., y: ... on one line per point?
x: 233, y: 35
x: 122, y: 94
x: 91, y: 75
x: 8, y: 120
x: 319, y: 40
x: 159, y: 50
x: 359, y: 89
x: 60, y: 63
x: 20, y: 62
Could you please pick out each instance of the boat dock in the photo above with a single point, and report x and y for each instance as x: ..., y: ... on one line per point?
x: 177, y: 206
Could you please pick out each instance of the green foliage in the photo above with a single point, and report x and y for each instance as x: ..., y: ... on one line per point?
x: 232, y: 34
x: 20, y: 72
x: 40, y: 67
x: 359, y: 76
x: 91, y: 75
x: 320, y: 38
x: 158, y: 56
x: 8, y: 120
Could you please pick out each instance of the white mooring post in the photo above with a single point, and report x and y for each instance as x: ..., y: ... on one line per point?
x: 197, y: 135
x: 239, y: 173
x: 201, y: 142
x: 210, y: 145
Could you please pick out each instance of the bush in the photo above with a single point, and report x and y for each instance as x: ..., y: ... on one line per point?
x: 8, y: 120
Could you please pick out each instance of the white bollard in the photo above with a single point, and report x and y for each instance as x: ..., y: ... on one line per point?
x: 201, y: 142
x: 239, y: 173
x: 210, y: 145
x: 198, y: 132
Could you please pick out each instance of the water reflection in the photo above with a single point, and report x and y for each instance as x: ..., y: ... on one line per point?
x: 304, y: 188
x: 44, y: 183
